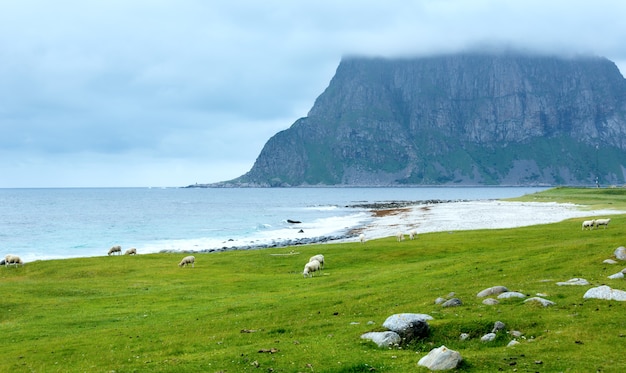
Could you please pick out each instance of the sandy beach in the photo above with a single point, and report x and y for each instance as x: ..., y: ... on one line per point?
x: 488, y: 214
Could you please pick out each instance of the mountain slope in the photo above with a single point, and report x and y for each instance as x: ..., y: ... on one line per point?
x: 463, y: 119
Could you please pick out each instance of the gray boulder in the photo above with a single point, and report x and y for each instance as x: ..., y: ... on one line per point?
x: 574, y: 281
x: 488, y: 337
x: 490, y: 302
x: 441, y: 358
x: 383, y: 339
x: 409, y: 325
x: 494, y: 290
x: 454, y: 302
x: 511, y: 294
x: 605, y: 292
x: 543, y: 302
x: 497, y: 326
x: 620, y: 253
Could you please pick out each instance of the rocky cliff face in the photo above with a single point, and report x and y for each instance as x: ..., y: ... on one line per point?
x: 466, y: 119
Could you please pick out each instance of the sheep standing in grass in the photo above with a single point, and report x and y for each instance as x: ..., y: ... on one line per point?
x: 362, y: 238
x: 400, y: 236
x: 131, y: 251
x: 319, y: 258
x: 412, y: 234
x: 604, y: 222
x: 310, y: 268
x: 115, y: 249
x: 188, y: 260
x: 12, y: 259
x: 588, y: 224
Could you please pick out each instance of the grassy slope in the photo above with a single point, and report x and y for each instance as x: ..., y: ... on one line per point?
x: 144, y: 313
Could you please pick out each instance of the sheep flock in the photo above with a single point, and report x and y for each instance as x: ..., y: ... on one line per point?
x: 315, y: 264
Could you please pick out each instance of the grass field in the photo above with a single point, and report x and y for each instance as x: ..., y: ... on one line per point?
x: 252, y: 311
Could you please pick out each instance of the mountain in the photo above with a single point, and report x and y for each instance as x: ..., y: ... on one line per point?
x: 458, y: 119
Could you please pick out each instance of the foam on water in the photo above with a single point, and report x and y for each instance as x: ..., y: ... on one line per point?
x: 40, y: 224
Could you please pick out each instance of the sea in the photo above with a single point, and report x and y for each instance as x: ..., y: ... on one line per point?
x: 59, y: 223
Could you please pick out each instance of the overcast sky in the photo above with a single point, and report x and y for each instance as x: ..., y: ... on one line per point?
x: 170, y: 93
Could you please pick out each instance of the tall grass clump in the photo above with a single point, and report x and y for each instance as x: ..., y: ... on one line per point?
x: 253, y: 311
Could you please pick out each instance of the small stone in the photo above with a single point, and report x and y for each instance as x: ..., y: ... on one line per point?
x: 511, y: 294
x: 383, y: 339
x: 499, y: 325
x: 574, y: 281
x: 512, y: 343
x: 488, y: 337
x: 494, y: 290
x: 490, y: 302
x: 441, y: 358
x: 440, y: 300
x: 543, y: 302
x: 454, y: 302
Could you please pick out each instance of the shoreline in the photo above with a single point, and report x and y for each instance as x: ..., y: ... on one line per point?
x: 390, y: 218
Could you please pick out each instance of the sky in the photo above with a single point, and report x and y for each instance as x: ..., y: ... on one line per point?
x: 158, y: 93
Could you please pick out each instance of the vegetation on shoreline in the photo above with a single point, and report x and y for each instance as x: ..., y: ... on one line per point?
x: 252, y: 311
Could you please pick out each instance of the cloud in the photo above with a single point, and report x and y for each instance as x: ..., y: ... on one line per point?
x: 164, y: 93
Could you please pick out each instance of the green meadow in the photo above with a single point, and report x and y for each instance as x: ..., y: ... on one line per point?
x: 252, y: 311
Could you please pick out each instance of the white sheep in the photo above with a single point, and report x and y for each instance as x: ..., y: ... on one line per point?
x: 188, y: 260
x: 400, y: 236
x: 319, y: 258
x: 12, y: 259
x: 412, y: 234
x: 115, y: 249
x: 588, y: 224
x: 311, y: 267
x: 603, y: 222
x: 362, y: 238
x: 131, y: 251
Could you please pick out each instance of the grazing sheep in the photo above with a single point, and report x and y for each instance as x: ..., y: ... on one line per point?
x: 400, y: 236
x: 115, y: 249
x: 12, y: 259
x: 362, y: 238
x: 131, y: 251
x: 188, y: 260
x: 604, y: 222
x: 412, y: 234
x: 311, y: 267
x: 319, y: 258
x: 588, y: 224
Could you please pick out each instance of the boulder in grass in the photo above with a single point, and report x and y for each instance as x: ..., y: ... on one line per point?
x: 489, y: 337
x: 454, y: 302
x: 543, y: 302
x: 620, y: 253
x: 441, y: 358
x: 494, y: 290
x: 409, y: 326
x: 574, y: 281
x: 383, y: 339
x: 605, y: 292
x: 511, y: 294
